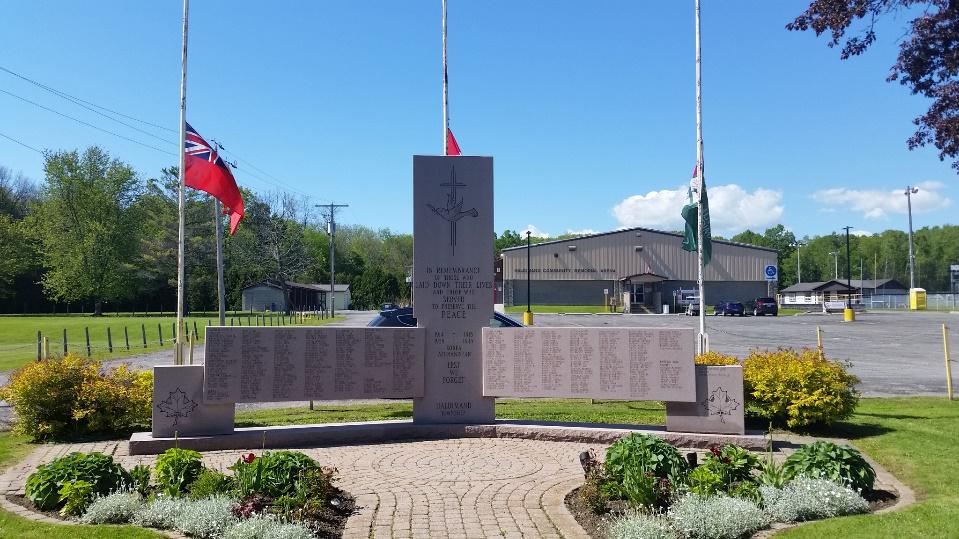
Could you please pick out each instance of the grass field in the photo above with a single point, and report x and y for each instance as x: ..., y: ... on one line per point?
x: 18, y: 334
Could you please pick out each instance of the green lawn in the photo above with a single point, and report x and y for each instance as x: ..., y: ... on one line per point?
x: 18, y: 334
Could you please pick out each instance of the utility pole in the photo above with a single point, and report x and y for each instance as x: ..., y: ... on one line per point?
x: 836, y: 255
x: 798, y: 262
x: 910, y: 190
x: 330, y: 215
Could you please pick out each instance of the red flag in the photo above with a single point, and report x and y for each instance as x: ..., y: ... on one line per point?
x: 452, y: 148
x: 207, y: 172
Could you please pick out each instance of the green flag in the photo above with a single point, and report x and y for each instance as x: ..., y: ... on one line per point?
x: 689, y: 214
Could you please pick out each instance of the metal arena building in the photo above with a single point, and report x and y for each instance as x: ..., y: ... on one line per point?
x: 636, y: 268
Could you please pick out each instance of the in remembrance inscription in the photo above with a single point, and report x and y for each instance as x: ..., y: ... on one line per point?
x: 303, y: 363
x: 608, y: 363
x: 453, y: 283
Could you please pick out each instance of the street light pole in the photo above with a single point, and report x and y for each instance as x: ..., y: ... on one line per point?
x: 848, y: 269
x: 528, y: 315
x: 912, y: 257
x: 836, y: 255
x: 798, y: 262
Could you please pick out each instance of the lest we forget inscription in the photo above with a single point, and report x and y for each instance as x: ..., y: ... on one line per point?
x: 453, y: 283
x: 603, y: 363
x: 302, y: 363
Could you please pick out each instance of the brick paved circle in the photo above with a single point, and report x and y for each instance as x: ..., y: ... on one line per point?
x: 460, y: 488
x: 452, y: 462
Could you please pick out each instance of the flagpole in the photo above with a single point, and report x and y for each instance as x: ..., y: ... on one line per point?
x: 220, y: 287
x: 181, y: 203
x: 446, y: 106
x: 703, y: 345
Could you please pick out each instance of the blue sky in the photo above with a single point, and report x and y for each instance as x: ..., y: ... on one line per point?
x: 587, y: 107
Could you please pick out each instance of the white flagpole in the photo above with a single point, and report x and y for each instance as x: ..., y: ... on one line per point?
x: 181, y: 204
x: 220, y: 287
x: 703, y: 346
x: 446, y: 117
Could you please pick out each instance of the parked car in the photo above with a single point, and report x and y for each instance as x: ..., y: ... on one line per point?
x: 403, y: 318
x: 727, y: 308
x: 764, y: 306
x: 388, y: 306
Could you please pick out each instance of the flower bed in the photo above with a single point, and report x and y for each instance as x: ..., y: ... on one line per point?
x: 277, y: 494
x: 645, y: 488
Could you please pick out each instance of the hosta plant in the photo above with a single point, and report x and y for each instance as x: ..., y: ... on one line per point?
x: 838, y: 463
x: 176, y: 468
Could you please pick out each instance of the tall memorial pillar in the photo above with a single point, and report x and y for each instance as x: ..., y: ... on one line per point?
x: 453, y: 284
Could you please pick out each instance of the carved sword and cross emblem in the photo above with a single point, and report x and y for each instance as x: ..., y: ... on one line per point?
x: 453, y: 211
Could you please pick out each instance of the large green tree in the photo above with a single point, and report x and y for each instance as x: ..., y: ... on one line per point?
x: 87, y: 226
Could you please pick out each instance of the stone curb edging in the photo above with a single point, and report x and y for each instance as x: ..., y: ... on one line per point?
x: 555, y: 497
x: 30, y: 514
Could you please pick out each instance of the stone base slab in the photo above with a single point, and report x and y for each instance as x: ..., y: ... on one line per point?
x: 332, y: 434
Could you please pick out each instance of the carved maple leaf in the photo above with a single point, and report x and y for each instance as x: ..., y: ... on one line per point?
x: 177, y: 405
x: 720, y: 403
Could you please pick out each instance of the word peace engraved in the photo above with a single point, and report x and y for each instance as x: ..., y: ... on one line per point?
x: 177, y: 405
x: 720, y: 403
x: 453, y: 211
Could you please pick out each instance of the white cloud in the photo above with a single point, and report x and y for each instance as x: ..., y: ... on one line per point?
x: 878, y: 204
x: 583, y: 232
x: 535, y: 232
x: 732, y: 209
x: 860, y: 233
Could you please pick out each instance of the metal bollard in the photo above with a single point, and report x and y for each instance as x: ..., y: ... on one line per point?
x: 945, y: 348
x: 819, y: 342
x: 160, y: 333
x: 65, y: 341
x: 86, y: 331
x: 109, y: 340
x: 143, y: 329
x: 39, y: 346
x: 126, y: 337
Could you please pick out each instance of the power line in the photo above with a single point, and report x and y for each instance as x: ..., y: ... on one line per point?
x: 77, y: 99
x: 88, y: 124
x: 27, y: 146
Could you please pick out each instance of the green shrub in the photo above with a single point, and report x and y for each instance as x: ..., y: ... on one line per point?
x: 176, y: 468
x: 274, y: 474
x: 117, y: 508
x: 716, y: 358
x: 718, y: 517
x: 797, y: 388
x: 734, y: 464
x: 705, y: 482
x: 648, y: 453
x: 76, y: 496
x: 208, y: 518
x: 62, y: 397
x: 839, y: 463
x: 640, y: 525
x: 140, y: 478
x: 811, y: 499
x: 159, y: 513
x: 208, y: 483
x: 593, y: 494
x: 105, y: 476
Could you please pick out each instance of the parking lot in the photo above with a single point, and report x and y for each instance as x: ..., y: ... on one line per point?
x: 893, y: 353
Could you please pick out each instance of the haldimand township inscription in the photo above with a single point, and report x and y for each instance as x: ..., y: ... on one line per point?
x: 606, y: 363
x: 302, y: 363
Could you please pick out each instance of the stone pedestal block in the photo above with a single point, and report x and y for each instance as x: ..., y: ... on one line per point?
x: 719, y: 403
x: 178, y: 406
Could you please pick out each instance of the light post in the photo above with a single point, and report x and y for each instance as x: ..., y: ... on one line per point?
x: 912, y: 257
x: 528, y: 315
x: 836, y: 255
x: 798, y: 262
x: 848, y: 314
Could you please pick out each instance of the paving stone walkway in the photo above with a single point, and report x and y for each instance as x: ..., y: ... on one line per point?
x: 469, y: 487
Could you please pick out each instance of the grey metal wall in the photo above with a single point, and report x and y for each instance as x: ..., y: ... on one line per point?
x: 575, y: 292
x: 620, y: 254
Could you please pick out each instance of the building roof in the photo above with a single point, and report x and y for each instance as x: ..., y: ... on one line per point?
x: 307, y: 286
x: 819, y: 286
x: 876, y: 284
x: 678, y: 235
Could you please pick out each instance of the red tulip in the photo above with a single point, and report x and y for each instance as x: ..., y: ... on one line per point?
x: 249, y: 458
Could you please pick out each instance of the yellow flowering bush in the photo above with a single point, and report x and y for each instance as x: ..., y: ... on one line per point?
x: 67, y: 396
x: 798, y: 388
x: 716, y: 358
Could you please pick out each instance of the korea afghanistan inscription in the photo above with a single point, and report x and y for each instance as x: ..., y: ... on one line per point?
x: 453, y: 283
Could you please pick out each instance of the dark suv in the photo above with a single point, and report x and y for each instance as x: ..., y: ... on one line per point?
x: 729, y: 308
x: 403, y: 318
x: 763, y: 306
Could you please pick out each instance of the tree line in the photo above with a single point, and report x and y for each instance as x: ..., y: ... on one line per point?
x: 96, y: 236
x: 883, y: 255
